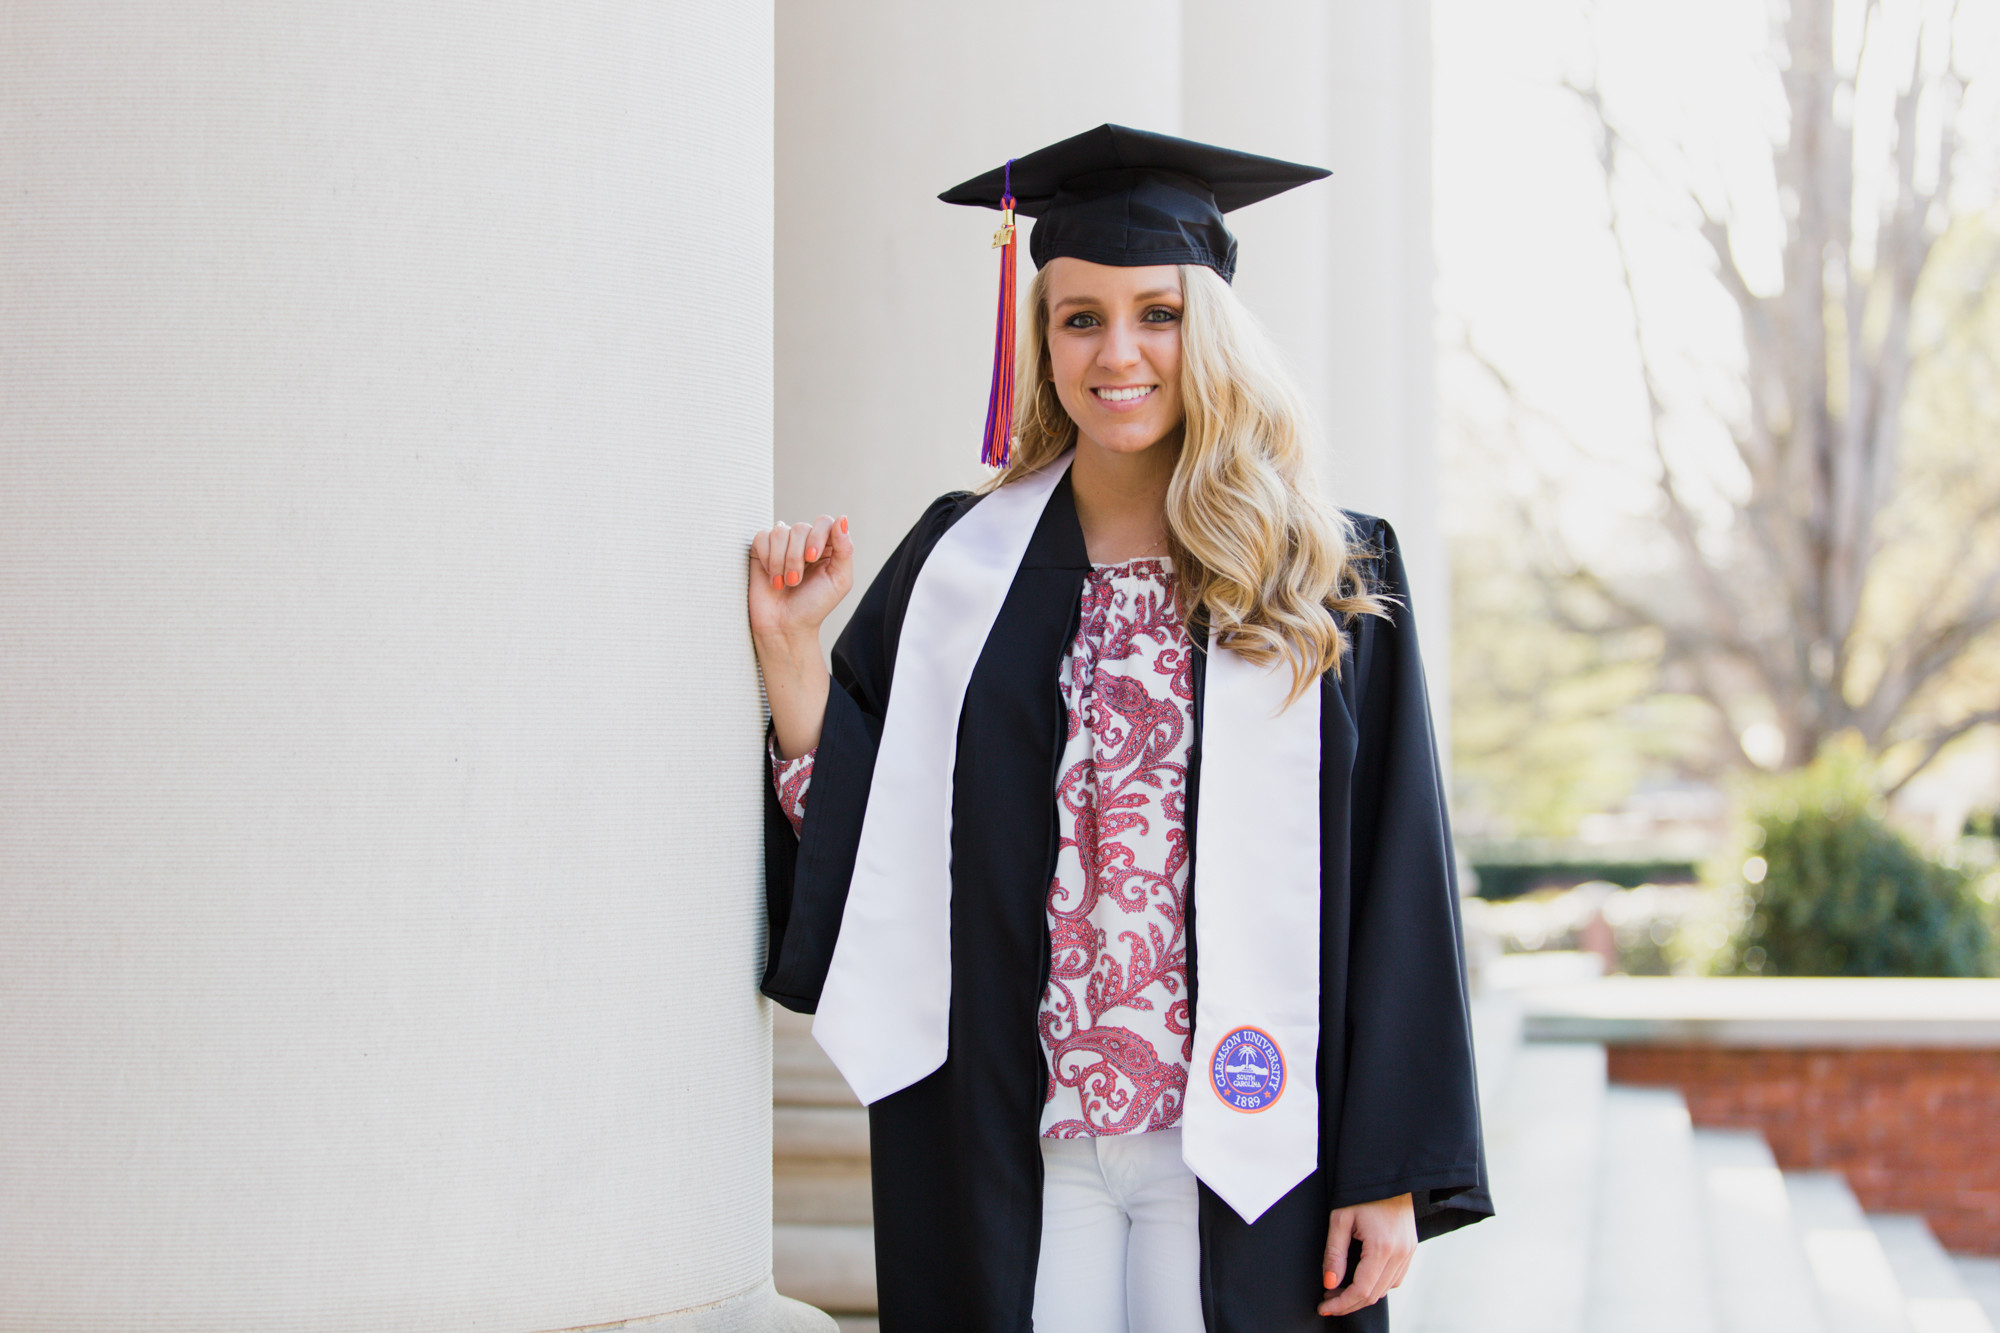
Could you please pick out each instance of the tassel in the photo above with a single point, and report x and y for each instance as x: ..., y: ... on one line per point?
x: 1000, y: 400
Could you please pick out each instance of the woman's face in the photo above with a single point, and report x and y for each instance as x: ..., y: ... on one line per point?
x: 1115, y: 351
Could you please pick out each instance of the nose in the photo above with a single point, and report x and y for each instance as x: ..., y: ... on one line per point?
x: 1120, y: 347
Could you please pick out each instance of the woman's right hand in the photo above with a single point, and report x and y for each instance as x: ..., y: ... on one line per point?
x: 798, y: 574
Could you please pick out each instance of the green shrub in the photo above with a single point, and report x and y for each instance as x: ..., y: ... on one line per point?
x: 1828, y: 889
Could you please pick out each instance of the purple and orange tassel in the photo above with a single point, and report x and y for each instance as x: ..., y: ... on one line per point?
x: 1000, y: 400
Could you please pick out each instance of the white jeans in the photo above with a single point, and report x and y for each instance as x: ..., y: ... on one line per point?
x: 1120, y: 1248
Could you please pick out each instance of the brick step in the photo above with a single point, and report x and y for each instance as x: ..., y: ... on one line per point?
x: 1936, y: 1296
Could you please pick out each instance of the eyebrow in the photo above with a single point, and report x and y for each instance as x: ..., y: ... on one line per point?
x: 1152, y: 295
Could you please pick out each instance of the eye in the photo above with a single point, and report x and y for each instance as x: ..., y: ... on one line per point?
x: 1082, y: 319
x: 1161, y: 314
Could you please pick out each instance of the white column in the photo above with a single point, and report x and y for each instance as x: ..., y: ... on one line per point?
x: 884, y: 295
x: 1340, y: 272
x: 1257, y: 80
x: 386, y: 400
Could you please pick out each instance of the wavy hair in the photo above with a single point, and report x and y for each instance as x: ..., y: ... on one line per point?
x: 1258, y: 554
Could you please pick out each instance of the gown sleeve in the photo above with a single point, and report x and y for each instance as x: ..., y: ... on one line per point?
x: 806, y: 871
x: 1409, y: 1122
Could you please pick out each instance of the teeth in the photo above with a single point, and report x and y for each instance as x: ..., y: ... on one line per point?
x: 1123, y: 395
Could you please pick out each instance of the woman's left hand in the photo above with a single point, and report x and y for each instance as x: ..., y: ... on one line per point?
x: 1387, y: 1230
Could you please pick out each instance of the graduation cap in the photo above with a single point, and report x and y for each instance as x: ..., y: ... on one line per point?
x: 1116, y: 196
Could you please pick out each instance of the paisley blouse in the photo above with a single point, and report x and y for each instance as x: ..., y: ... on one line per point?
x: 1114, y: 1022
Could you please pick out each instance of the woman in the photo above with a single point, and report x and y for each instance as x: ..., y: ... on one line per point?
x: 1113, y: 1081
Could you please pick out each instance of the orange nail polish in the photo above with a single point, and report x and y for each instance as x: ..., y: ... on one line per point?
x: 812, y: 552
x: 843, y: 523
x: 791, y: 577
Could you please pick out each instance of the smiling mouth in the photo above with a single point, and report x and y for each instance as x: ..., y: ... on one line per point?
x: 1125, y: 395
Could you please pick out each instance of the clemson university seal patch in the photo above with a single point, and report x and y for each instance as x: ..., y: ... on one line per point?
x: 1249, y: 1070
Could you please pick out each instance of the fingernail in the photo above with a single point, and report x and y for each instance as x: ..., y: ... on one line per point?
x: 1331, y: 1280
x: 812, y: 552
x: 791, y: 577
x: 843, y: 524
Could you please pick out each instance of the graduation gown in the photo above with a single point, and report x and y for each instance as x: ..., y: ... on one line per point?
x: 956, y: 1159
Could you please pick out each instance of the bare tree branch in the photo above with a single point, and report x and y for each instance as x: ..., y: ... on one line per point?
x: 1776, y: 601
x: 1725, y: 613
x: 1935, y: 743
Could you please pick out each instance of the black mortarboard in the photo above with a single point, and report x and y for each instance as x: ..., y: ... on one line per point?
x: 1128, y: 197
x: 1117, y: 196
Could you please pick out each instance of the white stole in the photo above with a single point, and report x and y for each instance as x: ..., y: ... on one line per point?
x: 884, y: 1010
x: 1250, y: 1126
x: 1250, y: 1118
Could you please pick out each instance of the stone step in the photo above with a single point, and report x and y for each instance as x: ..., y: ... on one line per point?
x: 822, y: 1193
x: 1981, y: 1276
x: 1936, y: 1298
x: 1496, y: 1037
x: 1525, y: 1269
x: 823, y: 1237
x: 819, y: 1166
x: 832, y: 1267
x: 801, y: 1075
x: 1858, y: 1291
x: 838, y: 1132
x: 1649, y: 1268
x: 1755, y: 1260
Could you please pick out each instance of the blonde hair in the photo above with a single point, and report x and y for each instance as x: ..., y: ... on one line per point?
x: 1258, y: 555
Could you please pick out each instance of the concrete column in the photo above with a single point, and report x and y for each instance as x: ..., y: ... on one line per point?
x: 1257, y: 80
x: 1341, y: 272
x: 386, y: 400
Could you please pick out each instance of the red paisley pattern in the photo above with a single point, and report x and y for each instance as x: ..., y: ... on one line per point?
x: 792, y: 777
x: 1114, y: 1020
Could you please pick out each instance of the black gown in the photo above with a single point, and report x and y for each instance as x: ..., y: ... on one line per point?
x: 956, y: 1159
